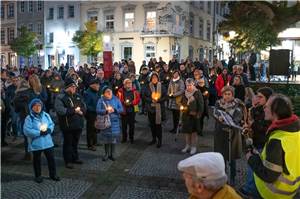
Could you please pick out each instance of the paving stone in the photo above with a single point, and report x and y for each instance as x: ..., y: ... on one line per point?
x: 28, y: 189
x: 127, y: 192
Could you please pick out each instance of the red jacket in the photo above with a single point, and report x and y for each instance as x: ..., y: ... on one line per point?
x: 219, y: 84
x: 136, y: 100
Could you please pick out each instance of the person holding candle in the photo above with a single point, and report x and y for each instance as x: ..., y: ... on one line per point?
x: 192, y: 109
x: 91, y: 97
x: 144, y: 81
x: 175, y: 92
x: 70, y: 109
x: 116, y: 82
x: 38, y: 127
x: 155, y: 96
x: 111, y: 105
x: 165, y: 76
x: 129, y: 98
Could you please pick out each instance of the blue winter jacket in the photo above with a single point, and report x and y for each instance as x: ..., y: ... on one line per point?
x: 36, y: 141
x: 115, y: 116
x: 91, y: 98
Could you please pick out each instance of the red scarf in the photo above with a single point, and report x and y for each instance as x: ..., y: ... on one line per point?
x: 276, y: 124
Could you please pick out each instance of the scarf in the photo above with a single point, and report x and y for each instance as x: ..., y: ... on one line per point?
x: 278, y: 124
x: 174, y: 80
x: 156, y: 105
x: 190, y: 96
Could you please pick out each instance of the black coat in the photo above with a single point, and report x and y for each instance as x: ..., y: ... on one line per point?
x: 148, y: 99
x: 65, y: 105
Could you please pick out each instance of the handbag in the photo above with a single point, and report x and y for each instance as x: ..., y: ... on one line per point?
x: 103, y: 122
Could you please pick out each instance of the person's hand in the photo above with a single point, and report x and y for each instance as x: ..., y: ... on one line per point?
x: 248, y: 155
x: 220, y: 118
x: 43, y: 133
x: 78, y: 111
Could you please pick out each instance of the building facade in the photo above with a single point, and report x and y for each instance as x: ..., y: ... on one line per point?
x: 31, y: 15
x: 8, y: 32
x: 141, y: 30
x: 61, y: 21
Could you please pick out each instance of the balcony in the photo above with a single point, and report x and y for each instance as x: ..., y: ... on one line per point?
x: 168, y: 30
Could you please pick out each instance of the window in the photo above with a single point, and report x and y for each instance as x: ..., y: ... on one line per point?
x: 201, y: 5
x: 217, y: 8
x: 93, y: 15
x: 51, y: 37
x: 22, y: 6
x: 71, y: 12
x: 151, y: 20
x: 39, y: 5
x: 191, y: 24
x: 208, y: 30
x: 149, y: 51
x: 209, y: 7
x: 2, y: 36
x: 30, y: 27
x: 30, y: 6
x: 129, y: 20
x: 51, y: 13
x: 11, y: 10
x: 39, y: 28
x: 201, y: 28
x: 109, y: 22
x: 60, y: 13
x: 201, y: 54
x: 191, y: 52
x: 11, y: 34
x: 2, y: 12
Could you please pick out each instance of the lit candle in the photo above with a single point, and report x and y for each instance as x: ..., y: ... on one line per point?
x: 127, y: 101
x: 116, y: 88
x: 142, y: 82
x: 56, y: 90
x: 77, y: 108
x: 109, y: 108
x: 205, y: 93
x: 167, y: 77
x: 181, y: 108
x: 48, y: 86
x: 171, y: 71
x: 43, y: 127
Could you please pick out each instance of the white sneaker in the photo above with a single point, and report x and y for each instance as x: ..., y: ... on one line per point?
x: 193, y: 150
x: 186, y: 148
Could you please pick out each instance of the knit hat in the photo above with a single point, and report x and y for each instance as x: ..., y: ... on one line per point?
x: 204, y: 166
x: 93, y: 81
x: 265, y: 91
x: 105, y: 88
x: 70, y: 82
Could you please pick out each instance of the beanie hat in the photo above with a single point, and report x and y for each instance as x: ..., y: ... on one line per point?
x: 70, y: 82
x: 265, y: 91
x: 105, y: 88
x: 93, y: 81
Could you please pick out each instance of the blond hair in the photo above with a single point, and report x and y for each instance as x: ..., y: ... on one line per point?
x: 35, y: 84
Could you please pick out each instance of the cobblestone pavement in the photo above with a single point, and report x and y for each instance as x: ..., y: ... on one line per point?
x: 140, y: 171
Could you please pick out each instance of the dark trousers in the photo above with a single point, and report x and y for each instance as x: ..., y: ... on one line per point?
x: 91, y: 135
x: 176, y: 115
x: 128, y: 120
x: 49, y: 153
x: 201, y: 124
x: 70, y: 145
x: 156, y: 129
x: 3, y: 127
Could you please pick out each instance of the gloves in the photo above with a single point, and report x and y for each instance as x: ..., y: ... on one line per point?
x: 48, y: 131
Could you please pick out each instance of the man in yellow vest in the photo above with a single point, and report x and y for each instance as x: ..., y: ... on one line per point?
x: 277, y: 169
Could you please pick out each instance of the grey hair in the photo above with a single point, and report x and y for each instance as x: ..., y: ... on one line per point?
x: 212, y: 185
x: 189, y: 81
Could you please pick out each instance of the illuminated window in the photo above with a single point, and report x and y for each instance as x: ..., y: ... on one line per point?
x: 151, y: 20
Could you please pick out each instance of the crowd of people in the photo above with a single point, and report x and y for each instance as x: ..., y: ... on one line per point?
x: 30, y: 98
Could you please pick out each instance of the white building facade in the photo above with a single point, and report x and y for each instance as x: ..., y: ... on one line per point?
x: 141, y: 30
x: 61, y: 21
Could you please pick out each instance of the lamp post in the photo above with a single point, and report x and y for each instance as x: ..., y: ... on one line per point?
x: 107, y: 57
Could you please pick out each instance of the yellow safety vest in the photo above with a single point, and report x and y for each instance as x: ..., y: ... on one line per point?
x: 286, y: 186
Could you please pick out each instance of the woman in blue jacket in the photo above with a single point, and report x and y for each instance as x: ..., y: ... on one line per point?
x: 110, y: 104
x: 38, y: 128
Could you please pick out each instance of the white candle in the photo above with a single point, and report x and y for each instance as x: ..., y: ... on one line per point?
x: 77, y: 108
x: 43, y: 127
x: 109, y: 108
x: 181, y: 108
x: 48, y: 86
x: 127, y: 101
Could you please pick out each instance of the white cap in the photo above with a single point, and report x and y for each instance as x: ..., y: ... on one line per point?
x: 206, y: 166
